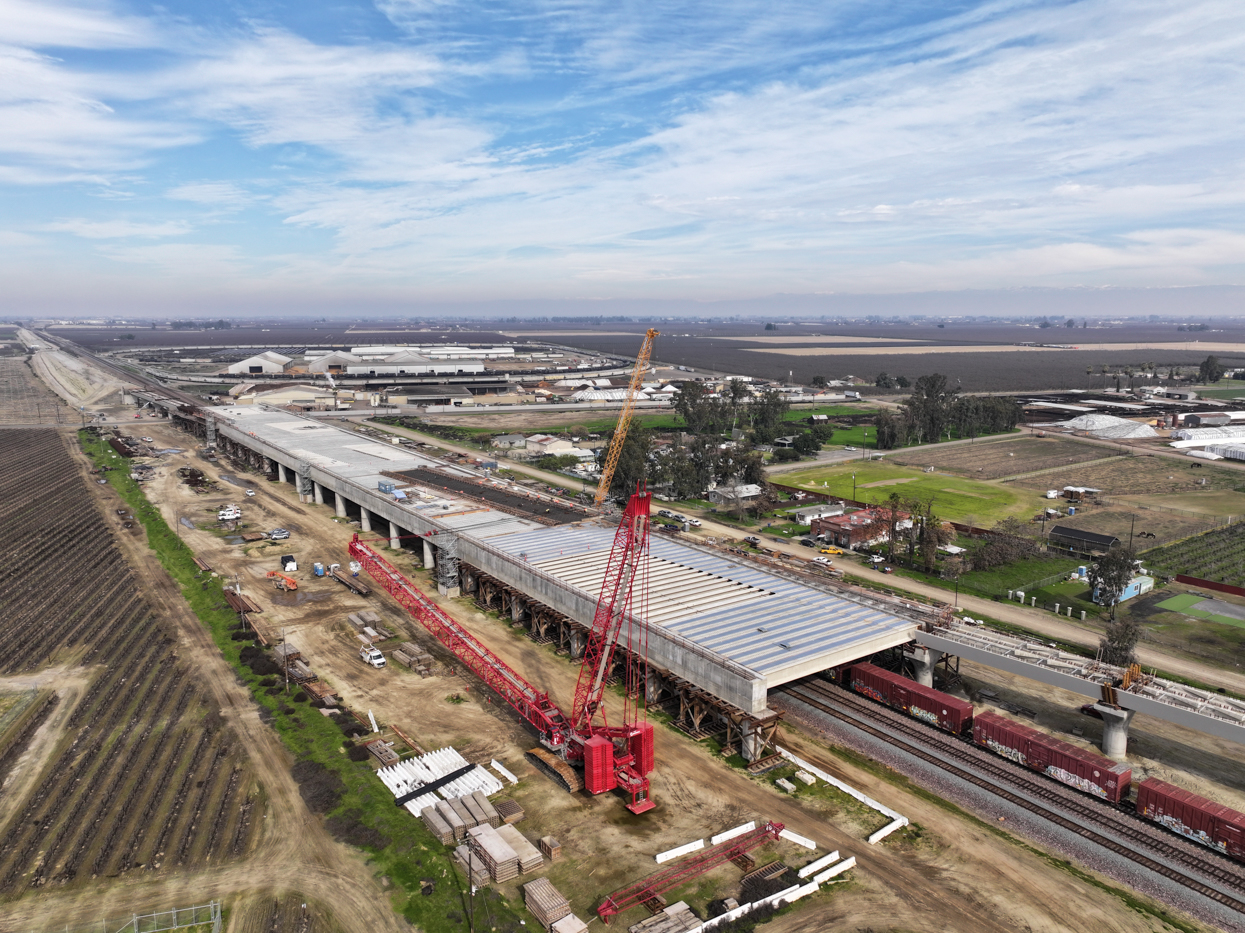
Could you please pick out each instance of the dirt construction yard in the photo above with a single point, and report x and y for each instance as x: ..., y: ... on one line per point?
x: 954, y: 875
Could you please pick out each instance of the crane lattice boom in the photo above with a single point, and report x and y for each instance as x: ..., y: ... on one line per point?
x: 624, y: 417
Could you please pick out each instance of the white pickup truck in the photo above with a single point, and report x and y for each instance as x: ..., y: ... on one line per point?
x: 229, y: 513
x: 372, y: 656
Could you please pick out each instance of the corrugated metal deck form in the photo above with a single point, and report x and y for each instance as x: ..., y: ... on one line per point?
x: 776, y: 627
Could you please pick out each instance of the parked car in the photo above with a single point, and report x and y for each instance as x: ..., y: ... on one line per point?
x: 146, y: 440
x: 831, y: 550
x: 849, y: 448
x: 665, y: 513
x: 278, y: 534
x: 808, y: 542
x: 753, y: 540
x: 825, y: 561
x: 678, y: 518
x: 694, y: 522
x: 251, y: 493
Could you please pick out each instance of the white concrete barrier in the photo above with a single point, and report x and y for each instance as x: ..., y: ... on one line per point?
x: 732, y: 833
x: 500, y: 769
x: 798, y: 839
x: 887, y: 830
x: 681, y: 850
x: 834, y: 870
x: 814, y: 867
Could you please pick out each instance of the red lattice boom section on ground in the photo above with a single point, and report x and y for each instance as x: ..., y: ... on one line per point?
x: 670, y: 878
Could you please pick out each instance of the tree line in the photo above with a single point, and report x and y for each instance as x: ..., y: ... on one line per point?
x: 935, y: 409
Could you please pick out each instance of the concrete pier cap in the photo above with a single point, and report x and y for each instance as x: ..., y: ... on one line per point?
x: 1115, y: 722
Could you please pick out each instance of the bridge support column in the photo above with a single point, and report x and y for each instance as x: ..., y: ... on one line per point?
x: 430, y: 559
x: 281, y: 475
x: 924, y: 660
x: 365, y: 519
x: 339, y: 501
x: 318, y: 491
x: 393, y: 536
x: 579, y: 641
x: 1115, y: 722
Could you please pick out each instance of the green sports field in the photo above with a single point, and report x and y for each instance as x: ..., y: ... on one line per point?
x: 955, y: 498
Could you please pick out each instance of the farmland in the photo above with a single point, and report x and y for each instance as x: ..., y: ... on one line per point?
x: 997, y: 459
x: 1138, y: 476
x: 1120, y: 522
x: 954, y: 498
x: 24, y: 399
x: 144, y: 776
x: 1218, y: 555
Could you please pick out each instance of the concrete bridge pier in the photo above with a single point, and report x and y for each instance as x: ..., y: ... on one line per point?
x: 281, y: 474
x: 430, y: 559
x: 924, y: 660
x: 1115, y: 722
x: 318, y: 492
x: 579, y: 641
x: 339, y: 504
x: 393, y: 537
x: 365, y: 519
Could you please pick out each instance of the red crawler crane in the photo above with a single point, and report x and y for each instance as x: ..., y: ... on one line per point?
x: 611, y: 756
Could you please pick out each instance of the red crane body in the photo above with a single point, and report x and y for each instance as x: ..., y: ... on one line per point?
x: 613, y: 756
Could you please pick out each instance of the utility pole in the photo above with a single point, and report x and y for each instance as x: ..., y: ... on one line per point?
x: 285, y: 663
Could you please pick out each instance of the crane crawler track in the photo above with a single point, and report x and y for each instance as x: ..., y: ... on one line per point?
x: 1055, y: 806
x: 557, y: 769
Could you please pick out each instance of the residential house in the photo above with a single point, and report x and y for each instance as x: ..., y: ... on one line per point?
x: 858, y: 529
x: 731, y: 496
x: 510, y: 441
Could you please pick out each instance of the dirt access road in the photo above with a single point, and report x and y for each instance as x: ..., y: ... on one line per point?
x: 959, y: 877
x: 296, y: 854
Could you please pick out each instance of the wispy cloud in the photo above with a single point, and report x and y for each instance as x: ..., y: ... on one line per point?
x: 664, y: 147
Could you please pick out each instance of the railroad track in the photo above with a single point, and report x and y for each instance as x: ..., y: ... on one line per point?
x: 1052, y: 803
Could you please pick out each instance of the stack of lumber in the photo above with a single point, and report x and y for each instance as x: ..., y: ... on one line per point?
x: 368, y: 616
x: 451, y: 818
x: 384, y: 632
x: 491, y: 816
x: 545, y: 902
x: 357, y: 623
x: 477, y: 812
x: 502, y: 862
x: 530, y: 858
x: 469, y: 819
x: 202, y: 564
x: 437, y: 825
x: 550, y: 848
x: 414, y: 657
x: 286, y: 654
x: 510, y: 811
x: 472, y: 865
x: 677, y: 918
x: 300, y: 673
x: 569, y: 924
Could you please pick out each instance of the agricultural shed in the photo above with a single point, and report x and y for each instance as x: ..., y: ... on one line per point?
x: 1079, y: 539
x: 1209, y: 435
x: 266, y: 362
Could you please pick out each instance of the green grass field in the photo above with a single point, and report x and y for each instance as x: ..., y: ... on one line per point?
x: 955, y: 499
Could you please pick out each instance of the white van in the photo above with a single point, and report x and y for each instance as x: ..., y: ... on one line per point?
x: 372, y: 656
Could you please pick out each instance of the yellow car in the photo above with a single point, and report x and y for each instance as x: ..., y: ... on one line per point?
x: 830, y: 550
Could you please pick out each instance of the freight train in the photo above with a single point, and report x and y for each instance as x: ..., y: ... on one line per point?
x: 1196, y: 818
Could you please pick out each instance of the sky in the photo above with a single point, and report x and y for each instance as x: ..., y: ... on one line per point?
x: 263, y: 156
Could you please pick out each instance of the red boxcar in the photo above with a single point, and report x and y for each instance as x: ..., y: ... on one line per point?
x: 923, y: 703
x: 1062, y: 761
x: 1211, y: 824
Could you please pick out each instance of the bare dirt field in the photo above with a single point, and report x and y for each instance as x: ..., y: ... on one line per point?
x: 1140, y: 475
x: 1121, y: 522
x: 78, y: 383
x: 998, y: 458
x: 959, y: 878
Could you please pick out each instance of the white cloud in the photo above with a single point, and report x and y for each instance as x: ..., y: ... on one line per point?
x: 218, y: 194
x: 48, y: 24
x: 118, y: 229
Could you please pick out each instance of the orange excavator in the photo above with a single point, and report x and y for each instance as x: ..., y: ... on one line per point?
x: 282, y: 581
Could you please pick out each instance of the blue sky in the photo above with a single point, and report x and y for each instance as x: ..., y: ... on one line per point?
x: 264, y: 155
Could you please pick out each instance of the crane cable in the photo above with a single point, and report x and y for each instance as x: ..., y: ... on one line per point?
x: 624, y: 418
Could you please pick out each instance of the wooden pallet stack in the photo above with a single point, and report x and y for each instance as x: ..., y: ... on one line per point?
x: 510, y: 811
x: 550, y: 848
x: 414, y: 657
x: 437, y: 825
x: 530, y: 858
x: 569, y: 924
x: 491, y: 816
x: 502, y: 862
x: 545, y: 902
